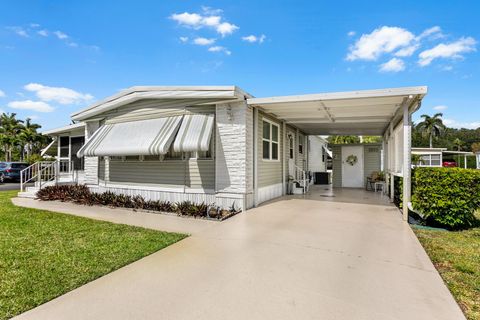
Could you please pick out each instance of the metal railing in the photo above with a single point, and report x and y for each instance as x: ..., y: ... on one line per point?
x: 46, y: 171
x: 301, y: 175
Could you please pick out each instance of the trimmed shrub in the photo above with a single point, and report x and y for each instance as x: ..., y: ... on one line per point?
x: 447, y: 197
x: 80, y: 194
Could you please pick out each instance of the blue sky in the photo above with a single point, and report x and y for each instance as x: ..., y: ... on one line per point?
x: 57, y: 57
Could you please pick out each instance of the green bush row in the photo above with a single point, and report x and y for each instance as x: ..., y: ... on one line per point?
x: 447, y: 197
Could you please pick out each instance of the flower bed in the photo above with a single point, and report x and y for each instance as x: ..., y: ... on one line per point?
x: 80, y: 194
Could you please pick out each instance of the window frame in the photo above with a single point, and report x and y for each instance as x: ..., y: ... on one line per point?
x: 271, y: 141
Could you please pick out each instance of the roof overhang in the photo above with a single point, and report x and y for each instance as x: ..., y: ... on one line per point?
x: 366, y: 112
x: 208, y: 94
x: 66, y: 129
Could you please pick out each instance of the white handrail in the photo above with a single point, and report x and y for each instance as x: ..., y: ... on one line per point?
x: 45, y: 171
x: 304, y: 177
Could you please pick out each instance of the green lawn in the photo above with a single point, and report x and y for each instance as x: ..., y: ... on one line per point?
x: 45, y: 254
x: 456, y: 255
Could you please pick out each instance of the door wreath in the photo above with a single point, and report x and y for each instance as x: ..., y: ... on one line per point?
x: 351, y: 159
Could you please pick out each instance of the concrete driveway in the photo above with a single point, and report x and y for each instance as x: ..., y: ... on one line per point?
x: 318, y: 257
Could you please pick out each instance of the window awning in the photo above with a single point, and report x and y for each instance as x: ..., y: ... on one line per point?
x: 195, y: 133
x: 146, y: 137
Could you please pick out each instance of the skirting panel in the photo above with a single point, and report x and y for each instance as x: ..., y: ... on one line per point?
x: 221, y: 200
x: 270, y: 192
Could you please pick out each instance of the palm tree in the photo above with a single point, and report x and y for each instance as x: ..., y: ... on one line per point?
x: 29, y: 137
x: 10, y: 127
x: 431, y: 126
x: 458, y: 144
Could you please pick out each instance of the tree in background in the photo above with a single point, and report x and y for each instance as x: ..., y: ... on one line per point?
x: 10, y: 127
x: 343, y: 139
x: 476, y: 147
x: 371, y: 139
x: 458, y: 144
x: 353, y: 139
x: 18, y: 138
x: 30, y: 138
x: 431, y: 126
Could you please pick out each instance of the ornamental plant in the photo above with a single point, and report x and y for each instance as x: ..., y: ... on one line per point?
x: 447, y: 197
x: 80, y: 194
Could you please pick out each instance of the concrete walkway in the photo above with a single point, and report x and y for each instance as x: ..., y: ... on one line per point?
x: 298, y: 258
x: 162, y: 222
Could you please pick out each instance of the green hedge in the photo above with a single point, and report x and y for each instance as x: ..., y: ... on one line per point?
x: 448, y: 197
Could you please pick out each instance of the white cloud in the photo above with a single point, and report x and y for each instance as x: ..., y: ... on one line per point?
x: 436, y: 30
x: 447, y: 68
x: 72, y: 44
x: 43, y: 33
x: 252, y: 38
x: 212, y: 21
x: 393, y: 65
x: 440, y: 108
x: 60, y: 35
x: 210, y: 18
x: 382, y: 40
x: 203, y: 41
x: 458, y: 124
x: 220, y: 49
x: 2, y: 94
x: 34, y: 25
x: 58, y: 94
x: 184, y: 39
x: 38, y: 106
x: 407, y: 51
x: 226, y: 28
x: 187, y: 19
x: 351, y: 33
x: 451, y: 50
x: 19, y: 31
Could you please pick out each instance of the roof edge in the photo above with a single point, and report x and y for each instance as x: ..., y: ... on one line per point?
x: 236, y: 92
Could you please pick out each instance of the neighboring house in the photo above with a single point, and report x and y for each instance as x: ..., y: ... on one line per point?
x: 477, y: 156
x: 221, y: 145
x: 434, y: 157
x: 318, y: 154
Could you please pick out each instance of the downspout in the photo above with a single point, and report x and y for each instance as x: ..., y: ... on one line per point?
x: 255, y: 157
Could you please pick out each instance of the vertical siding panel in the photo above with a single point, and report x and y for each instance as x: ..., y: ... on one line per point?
x: 337, y: 166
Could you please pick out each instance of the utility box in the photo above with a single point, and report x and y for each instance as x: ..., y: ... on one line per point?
x: 322, y: 178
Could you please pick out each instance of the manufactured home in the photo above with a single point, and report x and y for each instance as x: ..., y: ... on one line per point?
x: 435, y: 157
x: 219, y: 144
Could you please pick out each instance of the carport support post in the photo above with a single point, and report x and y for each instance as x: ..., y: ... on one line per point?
x: 283, y: 157
x: 255, y: 157
x: 391, y: 147
x: 407, y: 168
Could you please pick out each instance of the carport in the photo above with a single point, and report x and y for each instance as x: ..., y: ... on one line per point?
x: 383, y: 112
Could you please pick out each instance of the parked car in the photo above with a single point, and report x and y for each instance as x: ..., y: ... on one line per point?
x: 449, y: 164
x: 10, y: 171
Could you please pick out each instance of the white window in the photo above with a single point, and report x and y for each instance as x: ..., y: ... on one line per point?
x: 270, y: 140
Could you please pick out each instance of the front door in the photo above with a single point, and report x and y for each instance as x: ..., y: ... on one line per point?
x: 352, y: 166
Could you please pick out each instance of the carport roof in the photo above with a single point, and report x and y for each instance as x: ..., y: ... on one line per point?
x: 366, y: 112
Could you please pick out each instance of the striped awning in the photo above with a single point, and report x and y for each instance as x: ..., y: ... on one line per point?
x: 146, y: 137
x: 195, y: 133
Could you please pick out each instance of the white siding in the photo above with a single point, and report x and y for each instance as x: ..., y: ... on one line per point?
x: 91, y: 163
x: 231, y: 149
